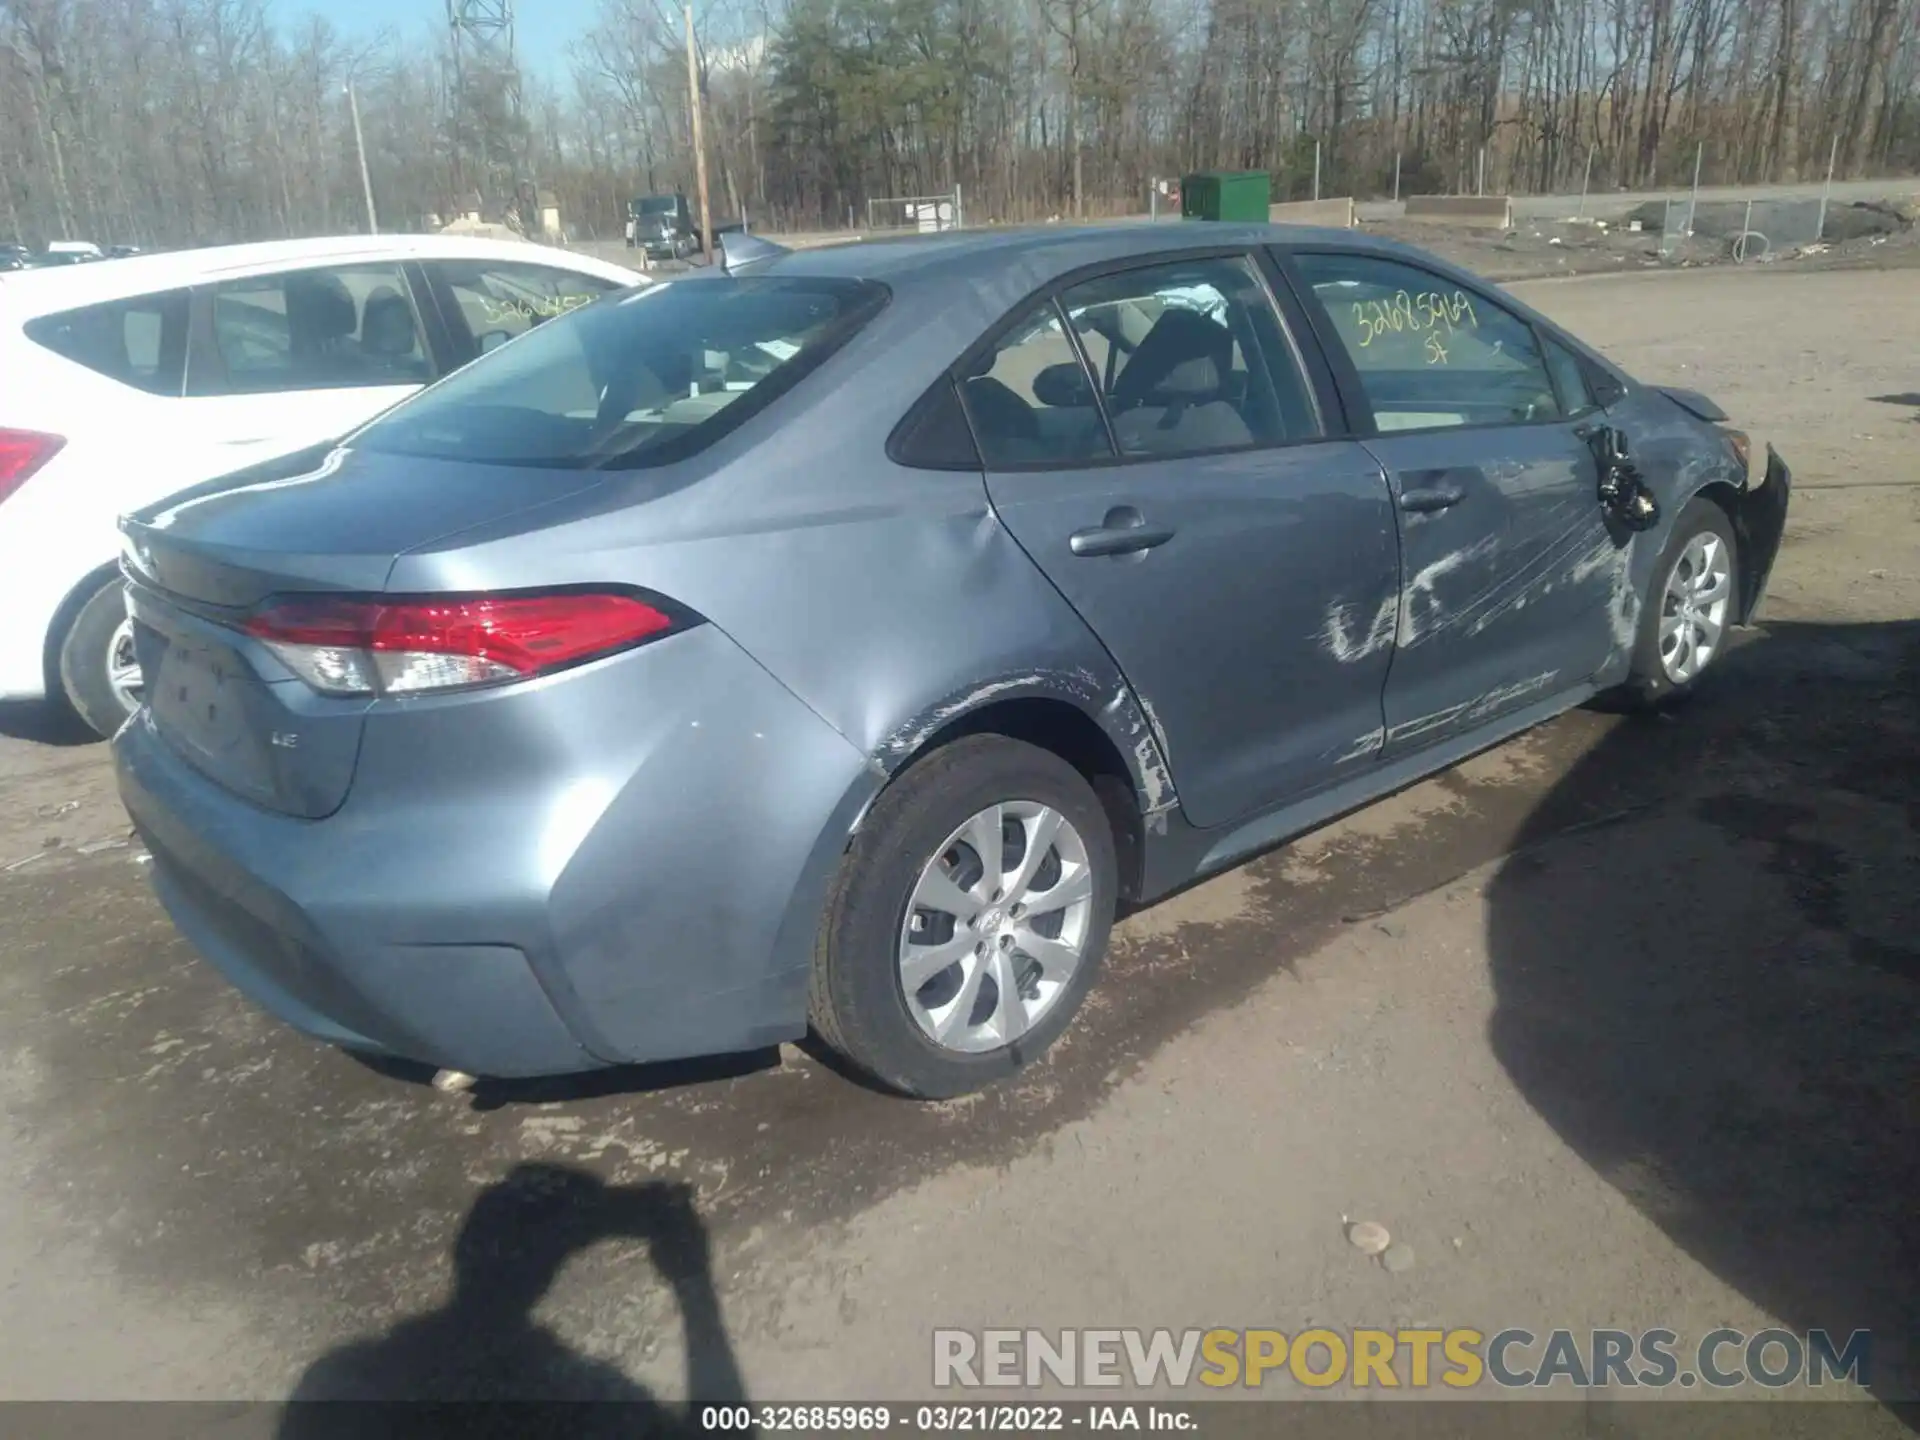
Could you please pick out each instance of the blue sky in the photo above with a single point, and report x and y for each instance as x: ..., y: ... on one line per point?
x: 542, y: 28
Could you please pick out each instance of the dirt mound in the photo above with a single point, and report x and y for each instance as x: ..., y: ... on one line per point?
x: 1860, y: 222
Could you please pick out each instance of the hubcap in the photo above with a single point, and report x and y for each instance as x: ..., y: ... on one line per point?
x: 996, y: 927
x: 123, y: 668
x: 1693, y: 612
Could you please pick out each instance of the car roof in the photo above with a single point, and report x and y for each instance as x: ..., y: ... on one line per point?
x: 999, y: 268
x: 987, y: 273
x: 37, y: 292
x: 963, y: 254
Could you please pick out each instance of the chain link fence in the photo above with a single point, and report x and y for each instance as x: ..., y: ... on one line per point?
x: 1743, y: 230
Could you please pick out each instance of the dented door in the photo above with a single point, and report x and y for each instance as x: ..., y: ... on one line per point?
x: 1510, y: 580
x: 1509, y: 573
x: 1170, y: 480
x: 1223, y: 630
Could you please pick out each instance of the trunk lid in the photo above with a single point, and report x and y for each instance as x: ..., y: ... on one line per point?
x: 199, y: 562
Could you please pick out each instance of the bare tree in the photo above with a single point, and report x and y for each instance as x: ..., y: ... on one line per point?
x: 193, y: 121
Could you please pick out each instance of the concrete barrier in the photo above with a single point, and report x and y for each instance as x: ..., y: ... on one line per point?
x: 1484, y: 212
x: 1337, y: 212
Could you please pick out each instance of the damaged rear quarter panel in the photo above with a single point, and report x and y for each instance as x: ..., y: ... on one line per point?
x: 899, y: 621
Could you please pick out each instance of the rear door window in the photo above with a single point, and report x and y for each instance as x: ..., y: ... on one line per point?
x: 1192, y: 358
x: 644, y: 379
x: 140, y: 342
x: 330, y: 328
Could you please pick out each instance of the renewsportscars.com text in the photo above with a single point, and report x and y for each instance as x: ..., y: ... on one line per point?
x: 1459, y: 1358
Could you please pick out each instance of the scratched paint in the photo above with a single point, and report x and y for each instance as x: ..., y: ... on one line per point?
x: 1623, y: 603
x: 1153, y: 758
x: 1360, y: 745
x: 905, y: 741
x: 1541, y: 575
x: 1423, y: 587
x: 1404, y: 621
x: 1149, y: 751
x: 1424, y: 724
x: 1347, y: 641
x: 1154, y: 782
x: 1468, y: 712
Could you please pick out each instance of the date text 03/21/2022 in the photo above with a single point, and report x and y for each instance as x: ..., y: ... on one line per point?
x: 878, y: 1419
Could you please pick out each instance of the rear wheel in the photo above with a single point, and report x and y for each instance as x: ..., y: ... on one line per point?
x: 99, y: 672
x: 1694, y: 599
x: 969, y: 919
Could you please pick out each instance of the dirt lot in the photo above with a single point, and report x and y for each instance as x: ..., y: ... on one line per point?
x: 1616, y: 1025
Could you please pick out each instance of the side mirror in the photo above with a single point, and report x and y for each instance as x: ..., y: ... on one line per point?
x: 1063, y: 387
x: 1623, y: 494
x: 493, y: 340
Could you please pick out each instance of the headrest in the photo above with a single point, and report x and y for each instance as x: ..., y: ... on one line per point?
x: 319, y: 308
x: 386, y: 328
x: 1185, y: 357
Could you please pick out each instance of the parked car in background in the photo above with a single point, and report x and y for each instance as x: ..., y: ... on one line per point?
x: 662, y: 227
x: 131, y: 380
x: 68, y: 252
x: 839, y: 643
x: 14, y: 257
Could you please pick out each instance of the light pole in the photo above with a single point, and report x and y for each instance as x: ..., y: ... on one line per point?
x: 360, y: 145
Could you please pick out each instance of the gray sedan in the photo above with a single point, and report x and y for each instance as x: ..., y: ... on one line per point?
x: 838, y: 644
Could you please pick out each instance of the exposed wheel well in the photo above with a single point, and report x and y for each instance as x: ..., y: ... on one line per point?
x: 1723, y: 495
x: 1072, y: 735
x: 1726, y: 499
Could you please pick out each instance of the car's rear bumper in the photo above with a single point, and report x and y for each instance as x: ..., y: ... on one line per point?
x: 623, y: 863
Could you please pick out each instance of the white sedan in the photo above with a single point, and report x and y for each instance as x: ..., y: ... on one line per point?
x: 128, y: 380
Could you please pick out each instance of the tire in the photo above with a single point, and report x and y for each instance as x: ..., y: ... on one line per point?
x: 1702, y: 532
x: 860, y: 1003
x: 86, y: 660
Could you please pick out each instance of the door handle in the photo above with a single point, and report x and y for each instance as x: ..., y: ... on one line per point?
x: 1425, y: 502
x: 1121, y: 533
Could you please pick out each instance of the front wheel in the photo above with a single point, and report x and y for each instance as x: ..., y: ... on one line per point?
x: 1693, y: 601
x: 968, y: 921
x: 99, y: 671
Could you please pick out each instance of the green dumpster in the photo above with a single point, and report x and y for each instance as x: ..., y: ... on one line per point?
x: 1226, y: 195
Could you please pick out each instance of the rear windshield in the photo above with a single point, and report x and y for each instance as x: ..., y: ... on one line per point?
x: 644, y: 377
x: 656, y: 205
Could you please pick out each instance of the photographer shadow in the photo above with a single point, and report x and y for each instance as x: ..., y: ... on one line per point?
x: 482, y: 1364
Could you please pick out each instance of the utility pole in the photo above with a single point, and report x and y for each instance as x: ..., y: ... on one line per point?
x: 699, y: 143
x: 360, y: 145
x: 1833, y: 154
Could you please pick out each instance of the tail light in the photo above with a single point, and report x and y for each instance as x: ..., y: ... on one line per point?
x: 22, y: 453
x: 358, y: 645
